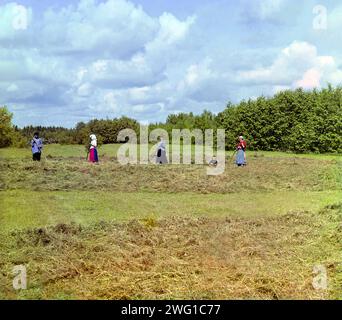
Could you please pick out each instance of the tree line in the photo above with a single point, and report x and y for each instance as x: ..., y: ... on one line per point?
x: 292, y: 120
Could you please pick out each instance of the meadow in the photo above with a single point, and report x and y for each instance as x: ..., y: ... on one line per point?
x: 169, y: 232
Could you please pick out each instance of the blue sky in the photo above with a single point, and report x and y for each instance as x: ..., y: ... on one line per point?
x: 62, y: 62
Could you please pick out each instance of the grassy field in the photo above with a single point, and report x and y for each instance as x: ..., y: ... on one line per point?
x: 110, y: 151
x: 152, y: 232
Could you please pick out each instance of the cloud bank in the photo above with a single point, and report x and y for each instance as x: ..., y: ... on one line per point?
x: 67, y: 63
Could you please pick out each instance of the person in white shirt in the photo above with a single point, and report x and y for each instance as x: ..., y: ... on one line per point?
x: 93, y: 156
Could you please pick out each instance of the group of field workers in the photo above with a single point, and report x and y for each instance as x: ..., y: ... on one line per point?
x: 161, y: 156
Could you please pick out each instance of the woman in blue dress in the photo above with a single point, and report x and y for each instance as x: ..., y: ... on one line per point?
x: 241, y: 152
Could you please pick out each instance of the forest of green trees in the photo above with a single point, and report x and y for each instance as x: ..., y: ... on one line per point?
x: 299, y: 121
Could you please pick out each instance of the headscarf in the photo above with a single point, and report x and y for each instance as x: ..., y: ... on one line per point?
x: 93, y: 142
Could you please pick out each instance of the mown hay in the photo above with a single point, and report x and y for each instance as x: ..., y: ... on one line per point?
x: 260, y: 174
x: 185, y: 258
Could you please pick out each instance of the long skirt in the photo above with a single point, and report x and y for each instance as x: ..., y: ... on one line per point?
x: 240, y: 158
x: 36, y: 156
x: 161, y: 157
x: 93, y: 157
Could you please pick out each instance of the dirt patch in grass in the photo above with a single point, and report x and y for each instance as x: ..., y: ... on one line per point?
x: 185, y: 258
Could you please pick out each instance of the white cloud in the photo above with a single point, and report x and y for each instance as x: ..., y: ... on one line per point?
x: 84, y: 90
x: 277, y: 89
x: 268, y: 7
x: 116, y: 74
x: 197, y: 73
x: 335, y: 19
x: 111, y: 102
x: 97, y: 56
x: 171, y: 30
x: 298, y: 65
x: 139, y: 94
x: 12, y: 88
x: 110, y: 58
x: 262, y: 9
x: 148, y: 108
x: 115, y: 27
x: 311, y: 79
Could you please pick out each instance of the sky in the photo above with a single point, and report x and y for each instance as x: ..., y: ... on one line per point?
x: 62, y: 62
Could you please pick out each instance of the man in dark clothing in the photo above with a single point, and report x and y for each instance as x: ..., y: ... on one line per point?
x: 37, y: 146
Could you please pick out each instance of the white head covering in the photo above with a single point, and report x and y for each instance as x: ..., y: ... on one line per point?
x: 93, y: 143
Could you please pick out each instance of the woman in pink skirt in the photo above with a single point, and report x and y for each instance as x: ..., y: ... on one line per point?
x: 93, y: 156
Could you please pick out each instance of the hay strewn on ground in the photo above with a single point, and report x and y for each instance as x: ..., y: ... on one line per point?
x: 225, y: 252
x: 260, y: 174
x: 261, y: 258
